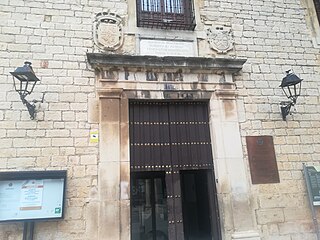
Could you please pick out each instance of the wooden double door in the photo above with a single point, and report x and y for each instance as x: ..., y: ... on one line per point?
x: 173, y: 194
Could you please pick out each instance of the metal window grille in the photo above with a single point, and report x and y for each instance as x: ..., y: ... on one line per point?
x: 166, y: 14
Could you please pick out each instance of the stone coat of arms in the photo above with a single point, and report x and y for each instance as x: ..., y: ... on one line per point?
x: 220, y: 38
x: 108, y: 31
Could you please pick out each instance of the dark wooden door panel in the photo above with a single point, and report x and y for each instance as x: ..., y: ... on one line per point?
x: 170, y: 137
x: 177, y: 205
x: 169, y: 134
x: 171, y: 206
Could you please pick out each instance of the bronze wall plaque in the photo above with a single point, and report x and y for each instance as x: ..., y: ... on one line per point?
x: 262, y: 160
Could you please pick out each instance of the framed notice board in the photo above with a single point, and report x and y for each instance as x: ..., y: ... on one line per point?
x: 32, y: 195
x: 312, y: 176
x: 262, y: 160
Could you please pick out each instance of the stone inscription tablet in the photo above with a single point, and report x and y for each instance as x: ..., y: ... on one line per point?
x: 262, y: 160
x: 166, y: 48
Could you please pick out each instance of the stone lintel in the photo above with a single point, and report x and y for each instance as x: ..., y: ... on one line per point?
x: 228, y: 65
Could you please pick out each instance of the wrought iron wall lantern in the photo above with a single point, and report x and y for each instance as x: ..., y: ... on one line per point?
x: 24, y: 81
x: 291, y: 86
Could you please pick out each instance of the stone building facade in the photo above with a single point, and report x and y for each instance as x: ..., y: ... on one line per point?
x: 94, y: 58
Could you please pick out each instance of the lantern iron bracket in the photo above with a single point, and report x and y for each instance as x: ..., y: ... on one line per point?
x: 285, y: 107
x: 31, y: 106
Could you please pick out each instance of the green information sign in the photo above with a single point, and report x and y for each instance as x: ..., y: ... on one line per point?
x: 313, y: 176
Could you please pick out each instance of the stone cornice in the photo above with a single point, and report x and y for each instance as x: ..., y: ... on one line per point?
x: 227, y: 65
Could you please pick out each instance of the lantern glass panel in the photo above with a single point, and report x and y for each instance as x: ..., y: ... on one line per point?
x: 293, y: 91
x: 297, y: 89
x: 286, y: 91
x: 23, y: 87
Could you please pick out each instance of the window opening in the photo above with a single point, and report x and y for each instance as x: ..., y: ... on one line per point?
x: 166, y: 14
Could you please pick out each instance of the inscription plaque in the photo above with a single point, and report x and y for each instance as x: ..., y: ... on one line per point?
x: 262, y: 160
x: 180, y: 95
x: 166, y: 48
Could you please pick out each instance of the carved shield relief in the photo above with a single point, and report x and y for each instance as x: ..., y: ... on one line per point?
x: 220, y: 38
x: 108, y: 31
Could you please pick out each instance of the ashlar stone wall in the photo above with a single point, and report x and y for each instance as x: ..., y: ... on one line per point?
x: 274, y: 36
x: 55, y: 36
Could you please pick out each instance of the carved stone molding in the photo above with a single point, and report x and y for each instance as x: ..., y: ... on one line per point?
x: 226, y: 94
x: 110, y: 93
x: 108, y: 31
x: 220, y: 38
x: 198, y: 64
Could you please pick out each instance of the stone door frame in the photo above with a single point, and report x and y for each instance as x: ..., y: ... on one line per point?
x: 214, y: 83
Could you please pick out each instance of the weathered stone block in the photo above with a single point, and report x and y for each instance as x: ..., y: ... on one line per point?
x: 272, y: 215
